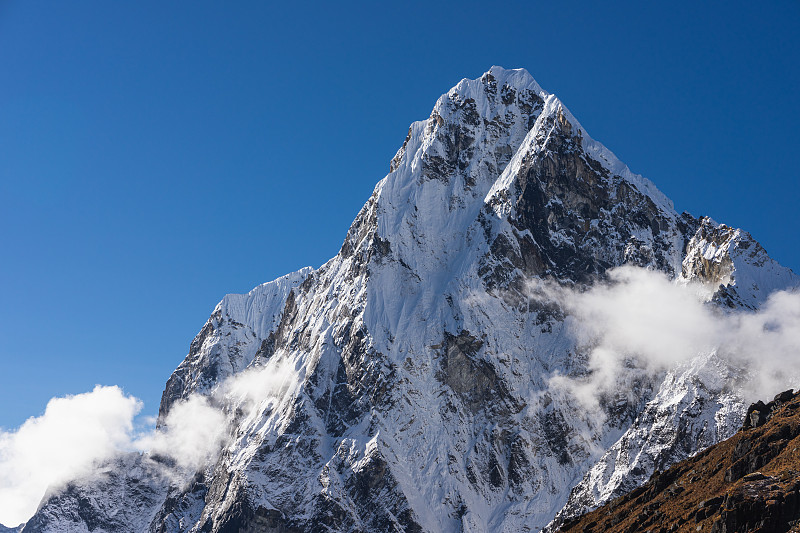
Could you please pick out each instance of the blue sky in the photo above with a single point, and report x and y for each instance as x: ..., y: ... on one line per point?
x: 155, y: 156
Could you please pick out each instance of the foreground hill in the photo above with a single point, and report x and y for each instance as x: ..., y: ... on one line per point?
x: 750, y: 482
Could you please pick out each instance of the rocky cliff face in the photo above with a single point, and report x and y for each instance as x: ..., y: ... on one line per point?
x: 417, y: 365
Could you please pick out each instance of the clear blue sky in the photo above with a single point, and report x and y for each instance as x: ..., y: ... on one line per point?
x: 157, y: 155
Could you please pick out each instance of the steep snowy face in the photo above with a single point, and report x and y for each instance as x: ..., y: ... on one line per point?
x: 122, y: 495
x: 230, y: 339
x: 415, y: 366
x: 448, y: 164
x: 693, y: 408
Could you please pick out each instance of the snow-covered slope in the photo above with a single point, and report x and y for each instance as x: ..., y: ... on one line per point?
x: 418, y: 393
x: 231, y: 338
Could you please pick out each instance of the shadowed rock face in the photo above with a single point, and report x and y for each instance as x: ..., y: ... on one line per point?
x: 595, y: 218
x: 750, y: 482
x: 419, y: 397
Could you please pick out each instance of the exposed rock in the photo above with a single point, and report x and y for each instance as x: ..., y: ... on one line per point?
x: 759, y: 413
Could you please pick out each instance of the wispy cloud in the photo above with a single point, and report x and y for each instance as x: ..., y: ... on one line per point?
x: 192, y: 434
x: 77, y: 433
x: 641, y: 323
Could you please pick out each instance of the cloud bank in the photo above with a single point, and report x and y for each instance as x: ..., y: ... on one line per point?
x: 72, y: 435
x: 77, y: 433
x: 639, y: 324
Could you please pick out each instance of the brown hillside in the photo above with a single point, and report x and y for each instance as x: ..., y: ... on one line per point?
x: 748, y: 483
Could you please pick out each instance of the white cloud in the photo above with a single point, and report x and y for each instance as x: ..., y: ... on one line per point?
x: 768, y: 343
x: 76, y: 433
x: 72, y: 435
x: 256, y: 387
x: 192, y: 434
x: 640, y: 324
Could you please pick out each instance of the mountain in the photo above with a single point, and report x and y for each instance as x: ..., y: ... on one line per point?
x: 409, y: 379
x: 747, y: 483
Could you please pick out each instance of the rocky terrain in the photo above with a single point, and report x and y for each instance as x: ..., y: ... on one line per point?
x: 409, y: 380
x: 750, y: 482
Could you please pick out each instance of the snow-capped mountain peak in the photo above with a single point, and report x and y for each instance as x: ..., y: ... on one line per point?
x: 417, y: 370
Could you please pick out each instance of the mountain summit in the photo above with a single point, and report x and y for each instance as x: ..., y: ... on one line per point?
x: 408, y: 384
